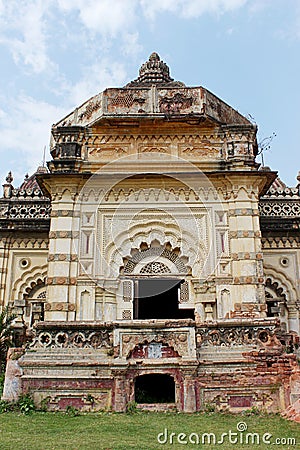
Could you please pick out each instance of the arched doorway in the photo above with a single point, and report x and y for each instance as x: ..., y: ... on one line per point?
x: 154, y: 388
x: 158, y: 285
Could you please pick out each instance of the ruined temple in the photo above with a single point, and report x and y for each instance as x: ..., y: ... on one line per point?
x: 153, y: 260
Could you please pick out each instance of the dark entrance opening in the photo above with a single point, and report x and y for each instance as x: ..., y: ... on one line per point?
x: 155, y: 388
x: 159, y: 299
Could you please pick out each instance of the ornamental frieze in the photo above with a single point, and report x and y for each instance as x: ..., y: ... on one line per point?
x: 152, y: 149
x: 280, y: 242
x: 175, y: 104
x: 59, y: 306
x: 234, y: 336
x: 285, y: 208
x: 70, y: 338
x: 193, y: 151
x: 179, y: 341
x: 105, y: 152
x: 30, y: 210
x: 89, y: 109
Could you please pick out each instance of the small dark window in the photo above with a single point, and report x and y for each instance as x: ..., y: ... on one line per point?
x: 159, y: 299
x: 155, y: 388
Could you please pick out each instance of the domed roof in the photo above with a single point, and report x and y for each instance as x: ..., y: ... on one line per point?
x: 154, y: 94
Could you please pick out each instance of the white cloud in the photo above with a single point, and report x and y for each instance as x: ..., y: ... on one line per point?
x: 131, y: 45
x: 297, y: 21
x: 23, y: 32
x: 25, y: 24
x: 26, y: 122
x: 257, y: 6
x: 98, y: 76
x: 25, y: 130
x: 104, y: 17
x: 189, y: 8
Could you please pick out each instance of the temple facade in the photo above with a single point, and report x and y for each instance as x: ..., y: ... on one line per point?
x: 153, y: 261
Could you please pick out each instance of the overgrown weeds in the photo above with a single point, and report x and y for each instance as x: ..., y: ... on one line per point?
x: 24, y: 405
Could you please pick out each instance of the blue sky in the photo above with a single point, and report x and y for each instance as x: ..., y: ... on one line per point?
x: 55, y: 54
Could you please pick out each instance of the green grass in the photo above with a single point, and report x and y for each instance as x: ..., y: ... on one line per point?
x: 59, y: 431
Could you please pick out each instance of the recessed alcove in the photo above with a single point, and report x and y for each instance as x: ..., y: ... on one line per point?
x: 158, y: 298
x: 155, y: 388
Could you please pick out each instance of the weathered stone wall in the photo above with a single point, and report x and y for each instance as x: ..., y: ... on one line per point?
x: 230, y: 366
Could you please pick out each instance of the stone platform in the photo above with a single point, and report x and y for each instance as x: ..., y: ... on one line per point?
x: 233, y: 365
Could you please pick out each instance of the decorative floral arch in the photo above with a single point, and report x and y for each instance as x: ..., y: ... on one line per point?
x: 155, y: 259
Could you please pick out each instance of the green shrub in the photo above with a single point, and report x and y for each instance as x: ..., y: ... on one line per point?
x: 209, y: 408
x: 25, y: 404
x: 2, y: 377
x: 6, y: 406
x: 71, y: 411
x: 254, y: 411
x: 44, y: 404
x: 131, y: 407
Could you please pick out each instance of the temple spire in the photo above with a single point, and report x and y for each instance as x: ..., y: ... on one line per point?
x: 154, y: 72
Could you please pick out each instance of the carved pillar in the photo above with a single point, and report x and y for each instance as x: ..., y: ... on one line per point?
x: 19, y: 325
x: 120, y: 394
x: 110, y: 287
x: 293, y: 318
x: 5, y: 244
x: 110, y: 306
x: 63, y: 248
x: 99, y: 309
x: 189, y: 393
x: 205, y: 299
x: 245, y: 244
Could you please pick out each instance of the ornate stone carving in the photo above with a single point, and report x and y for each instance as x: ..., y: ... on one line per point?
x: 126, y: 314
x: 178, y: 340
x: 127, y: 290
x: 153, y: 350
x: 72, y: 337
x: 89, y: 110
x: 155, y: 267
x: 184, y: 292
x: 280, y: 242
x: 31, y: 210
x: 126, y: 99
x: 104, y: 151
x: 201, y: 152
x: 154, y: 72
x: 234, y: 336
x: 151, y: 149
x: 154, y: 252
x: 175, y: 104
x: 289, y: 208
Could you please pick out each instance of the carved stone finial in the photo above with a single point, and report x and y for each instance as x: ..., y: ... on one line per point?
x: 7, y: 187
x: 154, y: 71
x: 154, y: 57
x: 9, y: 178
x: 41, y: 169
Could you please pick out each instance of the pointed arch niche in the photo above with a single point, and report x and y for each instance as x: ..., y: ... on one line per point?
x: 35, y: 299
